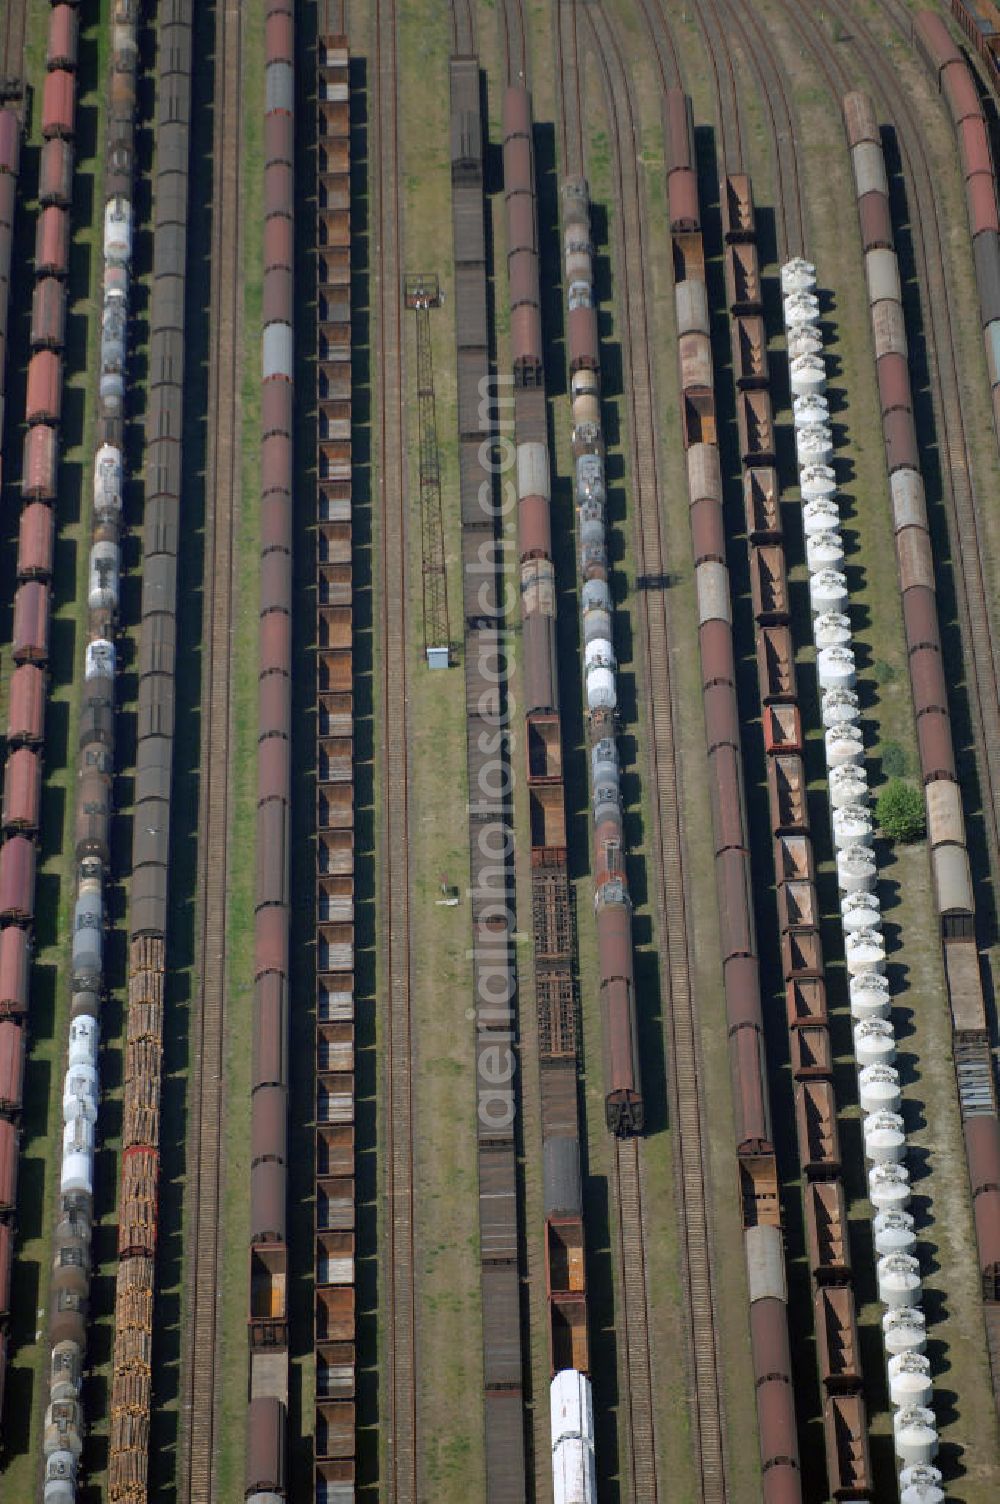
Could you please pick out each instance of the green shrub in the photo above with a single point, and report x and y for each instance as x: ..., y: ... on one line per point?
x: 900, y: 811
x: 893, y: 760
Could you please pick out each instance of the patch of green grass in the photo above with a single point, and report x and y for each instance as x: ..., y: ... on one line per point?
x: 235, y: 1213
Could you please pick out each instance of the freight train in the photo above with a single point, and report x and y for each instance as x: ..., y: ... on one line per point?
x: 10, y: 161
x: 70, y: 1279
x: 147, y: 917
x: 25, y: 719
x: 268, y: 1320
x: 22, y: 778
x: 20, y: 800
x: 980, y: 20
x: 623, y: 1092
x: 957, y: 85
x: 334, y: 1272
x: 761, y: 1213
x: 810, y: 1049
x: 571, y: 1414
x: 853, y: 838
x: 612, y: 904
x: 946, y: 833
x: 481, y: 413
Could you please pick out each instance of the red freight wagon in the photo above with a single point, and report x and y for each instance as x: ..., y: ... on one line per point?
x: 14, y: 960
x: 266, y: 1446
x: 48, y: 314
x: 973, y: 146
x: 516, y: 112
x: 11, y: 1066
x: 10, y: 142
x: 8, y: 199
x: 876, y: 222
x: 275, y: 642
x: 26, y: 705
x: 273, y: 773
x: 269, y: 1117
x: 52, y: 243
x: 276, y: 512
x: 59, y: 105
x: 279, y: 38
x: 680, y: 135
x: 44, y: 403
x: 34, y: 541
x: 273, y: 710
x: 63, y: 30
x: 279, y: 190
x: 860, y: 120
x: 271, y: 941
x: 278, y: 247
x: 8, y: 1165
x: 38, y: 465
x: 22, y: 786
x: 17, y: 879
x: 268, y: 1197
x: 6, y: 1259
x: 279, y: 137
x: 959, y: 89
x: 276, y: 406
x: 31, y: 622
x: 981, y: 196
x: 893, y: 375
x: 55, y: 174
x: 682, y: 191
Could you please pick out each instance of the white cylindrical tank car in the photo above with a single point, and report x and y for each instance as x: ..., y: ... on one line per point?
x: 869, y: 991
x: 889, y: 1188
x: 904, y: 1330
x: 878, y: 1088
x: 894, y: 1232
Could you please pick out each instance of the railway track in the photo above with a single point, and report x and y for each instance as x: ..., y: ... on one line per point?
x: 12, y: 46
x: 939, y: 325
x: 568, y: 82
x: 514, y: 42
x: 394, y: 928
x: 634, y: 1322
x: 685, y: 1090
x: 205, y: 1153
x: 463, y: 29
x: 742, y: 22
x: 727, y: 99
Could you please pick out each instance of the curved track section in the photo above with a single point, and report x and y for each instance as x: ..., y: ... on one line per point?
x: 961, y: 502
x: 515, y: 55
x: 199, y: 1386
x: 463, y: 28
x: 975, y: 1076
x: 399, y: 1350
x: 567, y: 54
